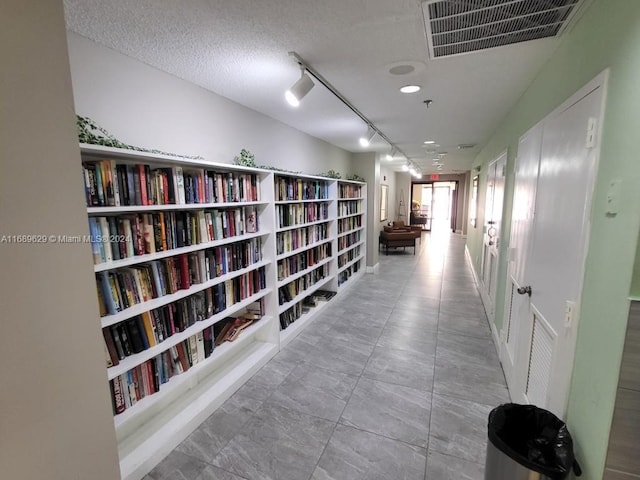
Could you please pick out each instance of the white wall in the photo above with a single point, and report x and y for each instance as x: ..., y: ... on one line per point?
x: 145, y: 107
x: 55, y: 413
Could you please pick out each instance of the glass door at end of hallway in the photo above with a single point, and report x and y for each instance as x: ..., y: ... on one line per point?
x: 438, y: 201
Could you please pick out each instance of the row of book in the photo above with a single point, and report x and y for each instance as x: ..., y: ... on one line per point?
x: 348, y: 240
x: 299, y: 213
x: 291, y: 265
x: 289, y: 188
x: 291, y: 240
x: 125, y: 236
x: 292, y: 314
x: 296, y: 311
x: 344, y: 275
x: 288, y: 292
x: 349, y: 207
x: 153, y: 327
x: 146, y: 379
x: 346, y: 190
x: 348, y: 256
x: 122, y: 288
x: 108, y: 183
x: 347, y: 224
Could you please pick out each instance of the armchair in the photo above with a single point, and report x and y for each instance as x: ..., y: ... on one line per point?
x: 399, y: 235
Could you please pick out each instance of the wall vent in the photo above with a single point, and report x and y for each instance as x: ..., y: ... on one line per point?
x: 454, y: 27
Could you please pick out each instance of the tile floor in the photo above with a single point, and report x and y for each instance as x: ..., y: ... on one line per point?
x: 393, y: 380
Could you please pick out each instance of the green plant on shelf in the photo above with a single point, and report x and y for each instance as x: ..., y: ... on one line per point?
x: 355, y: 177
x: 330, y: 174
x: 245, y: 159
x: 93, y: 134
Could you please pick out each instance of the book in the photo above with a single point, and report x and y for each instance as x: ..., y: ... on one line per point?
x: 118, y: 395
x: 111, y: 347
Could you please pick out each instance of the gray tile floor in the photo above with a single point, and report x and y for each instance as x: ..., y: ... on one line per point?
x: 394, y: 380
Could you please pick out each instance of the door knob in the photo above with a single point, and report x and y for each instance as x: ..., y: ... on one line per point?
x: 523, y: 290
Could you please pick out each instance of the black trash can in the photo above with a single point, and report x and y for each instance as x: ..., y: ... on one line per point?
x: 528, y: 443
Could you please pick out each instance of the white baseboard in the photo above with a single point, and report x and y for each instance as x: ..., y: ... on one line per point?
x: 373, y: 270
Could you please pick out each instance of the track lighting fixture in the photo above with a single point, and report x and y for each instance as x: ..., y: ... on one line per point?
x: 366, y: 140
x: 307, y: 84
x: 405, y: 168
x: 391, y: 154
x: 299, y: 89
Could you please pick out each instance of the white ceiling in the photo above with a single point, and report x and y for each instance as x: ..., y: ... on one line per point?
x: 239, y: 49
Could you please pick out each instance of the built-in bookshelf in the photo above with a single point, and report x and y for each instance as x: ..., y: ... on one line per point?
x: 351, y: 231
x: 203, y: 273
x: 305, y: 234
x: 184, y: 259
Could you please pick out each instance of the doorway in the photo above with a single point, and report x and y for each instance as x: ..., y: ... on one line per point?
x: 438, y: 202
x: 555, y: 172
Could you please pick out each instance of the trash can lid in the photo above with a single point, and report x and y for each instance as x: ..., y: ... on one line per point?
x: 533, y: 437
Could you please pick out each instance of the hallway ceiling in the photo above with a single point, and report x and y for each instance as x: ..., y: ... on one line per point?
x: 239, y: 49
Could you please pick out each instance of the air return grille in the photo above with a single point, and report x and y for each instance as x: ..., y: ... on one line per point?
x: 461, y: 26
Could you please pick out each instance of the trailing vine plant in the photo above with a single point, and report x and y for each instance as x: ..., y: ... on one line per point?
x: 330, y: 174
x: 356, y: 178
x: 92, y: 133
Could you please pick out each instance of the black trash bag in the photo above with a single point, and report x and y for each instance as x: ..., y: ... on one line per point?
x: 535, y: 438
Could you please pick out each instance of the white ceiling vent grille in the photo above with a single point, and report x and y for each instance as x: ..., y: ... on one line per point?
x: 461, y: 26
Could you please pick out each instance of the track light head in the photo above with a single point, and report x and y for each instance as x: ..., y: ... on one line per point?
x: 389, y: 156
x: 366, y: 140
x: 299, y: 89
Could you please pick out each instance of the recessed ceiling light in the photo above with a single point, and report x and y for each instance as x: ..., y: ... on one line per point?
x: 429, y: 142
x: 410, y: 89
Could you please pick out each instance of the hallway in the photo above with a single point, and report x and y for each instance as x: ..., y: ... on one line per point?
x: 393, y: 380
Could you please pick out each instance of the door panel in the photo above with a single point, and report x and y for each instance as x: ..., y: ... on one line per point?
x: 541, y: 348
x: 524, y: 198
x: 563, y: 200
x: 491, y: 238
x: 550, y: 224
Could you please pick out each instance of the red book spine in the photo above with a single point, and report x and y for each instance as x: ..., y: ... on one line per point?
x: 143, y: 184
x: 182, y: 355
x: 184, y: 272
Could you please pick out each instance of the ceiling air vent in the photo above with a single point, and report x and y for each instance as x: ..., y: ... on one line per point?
x: 461, y: 26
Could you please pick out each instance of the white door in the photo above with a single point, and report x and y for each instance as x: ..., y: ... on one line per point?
x: 492, y: 226
x: 524, y: 198
x: 547, y: 276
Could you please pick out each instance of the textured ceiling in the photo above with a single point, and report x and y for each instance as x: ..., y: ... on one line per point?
x: 239, y: 49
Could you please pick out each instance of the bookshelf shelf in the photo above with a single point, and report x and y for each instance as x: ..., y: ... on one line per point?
x: 302, y: 249
x: 217, y: 359
x: 305, y: 293
x: 350, y: 263
x: 295, y: 328
x: 302, y: 273
x: 312, y: 200
x: 351, y: 247
x: 158, y: 398
x: 342, y: 234
x: 350, y: 215
x: 137, y: 259
x: 168, y: 207
x: 302, y: 225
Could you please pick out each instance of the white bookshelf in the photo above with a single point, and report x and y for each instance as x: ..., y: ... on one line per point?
x: 149, y: 428
x: 324, y: 226
x: 309, y: 245
x: 351, y: 236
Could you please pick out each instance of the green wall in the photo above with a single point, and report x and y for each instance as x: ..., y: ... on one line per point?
x: 606, y: 36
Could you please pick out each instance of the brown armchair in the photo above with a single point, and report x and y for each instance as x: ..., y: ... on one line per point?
x: 399, y: 235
